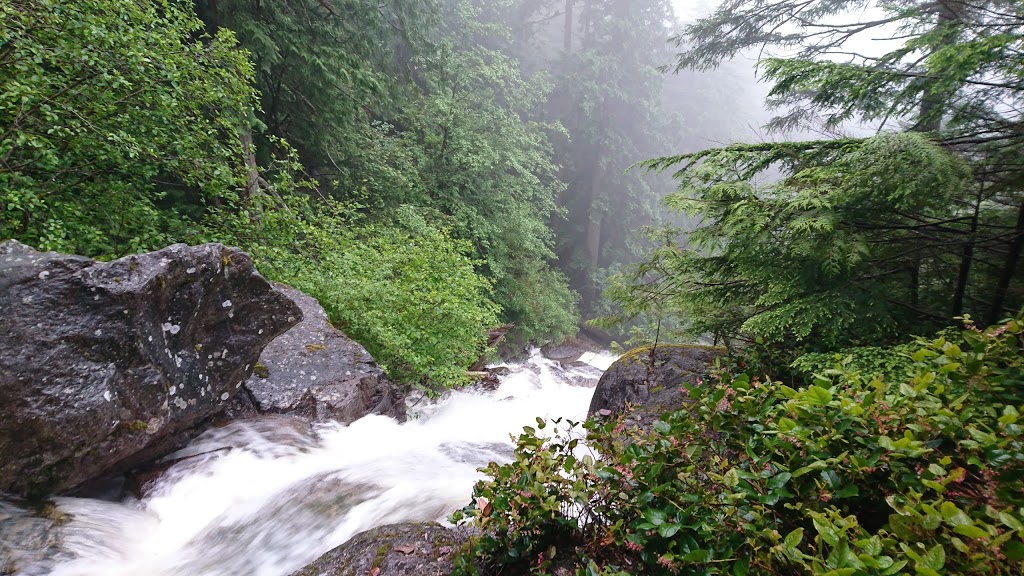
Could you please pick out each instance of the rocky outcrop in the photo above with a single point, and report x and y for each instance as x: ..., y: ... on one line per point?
x: 650, y: 386
x: 426, y: 549
x: 570, y: 350
x: 313, y: 370
x: 104, y: 366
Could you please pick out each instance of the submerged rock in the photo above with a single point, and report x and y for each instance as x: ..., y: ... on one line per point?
x: 651, y: 386
x: 426, y: 549
x: 314, y: 508
x: 28, y: 544
x: 315, y: 371
x: 107, y: 365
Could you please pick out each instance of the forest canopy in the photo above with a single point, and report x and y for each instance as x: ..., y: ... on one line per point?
x: 505, y: 131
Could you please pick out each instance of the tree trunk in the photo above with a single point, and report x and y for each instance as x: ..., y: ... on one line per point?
x: 594, y: 239
x: 252, y: 170
x: 441, y: 154
x: 930, y: 113
x: 967, y: 257
x: 915, y: 283
x: 995, y: 313
x: 594, y: 219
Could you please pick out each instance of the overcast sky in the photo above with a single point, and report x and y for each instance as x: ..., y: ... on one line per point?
x: 874, y: 42
x: 688, y: 8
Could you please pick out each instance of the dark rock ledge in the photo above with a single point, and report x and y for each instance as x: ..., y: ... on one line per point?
x: 645, y: 387
x: 315, y: 371
x: 108, y: 365
x: 426, y: 549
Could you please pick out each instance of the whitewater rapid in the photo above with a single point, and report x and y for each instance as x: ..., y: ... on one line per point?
x: 266, y: 497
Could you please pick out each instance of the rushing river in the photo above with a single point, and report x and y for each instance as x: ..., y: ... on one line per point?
x: 266, y: 497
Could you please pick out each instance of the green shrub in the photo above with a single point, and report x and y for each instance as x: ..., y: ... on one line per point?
x: 413, y: 299
x: 409, y: 293
x: 847, y: 476
x: 120, y: 120
x: 869, y: 361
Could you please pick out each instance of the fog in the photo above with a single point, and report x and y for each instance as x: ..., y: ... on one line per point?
x: 741, y: 112
x: 744, y: 112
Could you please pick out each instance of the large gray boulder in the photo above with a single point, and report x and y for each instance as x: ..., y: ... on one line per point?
x: 313, y: 370
x: 648, y: 384
x: 426, y: 549
x: 107, y: 365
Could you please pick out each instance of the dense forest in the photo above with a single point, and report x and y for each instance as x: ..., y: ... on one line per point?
x: 432, y: 169
x: 426, y: 169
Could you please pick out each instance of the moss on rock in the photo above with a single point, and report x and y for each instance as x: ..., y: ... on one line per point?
x: 648, y: 387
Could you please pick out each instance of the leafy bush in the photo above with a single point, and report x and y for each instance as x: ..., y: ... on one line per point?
x: 408, y: 293
x: 846, y: 476
x: 118, y: 119
x: 892, y: 362
x: 869, y: 361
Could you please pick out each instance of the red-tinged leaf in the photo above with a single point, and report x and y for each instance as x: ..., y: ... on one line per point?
x: 484, y: 505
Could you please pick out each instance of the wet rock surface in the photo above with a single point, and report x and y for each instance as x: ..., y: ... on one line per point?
x: 651, y: 386
x: 315, y: 371
x: 570, y: 351
x: 26, y: 540
x: 426, y: 549
x: 105, y: 366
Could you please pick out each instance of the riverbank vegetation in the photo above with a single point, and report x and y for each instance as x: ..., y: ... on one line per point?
x: 916, y: 474
x: 833, y: 441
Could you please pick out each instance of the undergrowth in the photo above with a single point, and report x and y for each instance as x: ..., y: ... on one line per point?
x: 916, y: 473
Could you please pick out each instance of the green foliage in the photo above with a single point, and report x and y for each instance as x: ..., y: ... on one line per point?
x: 609, y: 93
x: 891, y: 363
x: 322, y: 65
x: 409, y: 293
x: 129, y: 128
x: 831, y: 253
x: 412, y: 297
x: 949, y: 73
x: 117, y: 121
x: 848, y: 475
x: 484, y: 162
x: 409, y: 108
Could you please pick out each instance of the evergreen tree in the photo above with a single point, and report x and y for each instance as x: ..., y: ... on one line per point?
x: 323, y: 68
x: 485, y: 164
x: 954, y: 249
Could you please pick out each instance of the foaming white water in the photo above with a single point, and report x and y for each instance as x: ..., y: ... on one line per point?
x: 264, y: 498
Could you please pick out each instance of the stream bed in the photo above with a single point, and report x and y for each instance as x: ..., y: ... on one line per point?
x: 266, y: 497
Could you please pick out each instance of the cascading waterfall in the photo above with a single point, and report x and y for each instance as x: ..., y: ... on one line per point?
x: 266, y: 497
